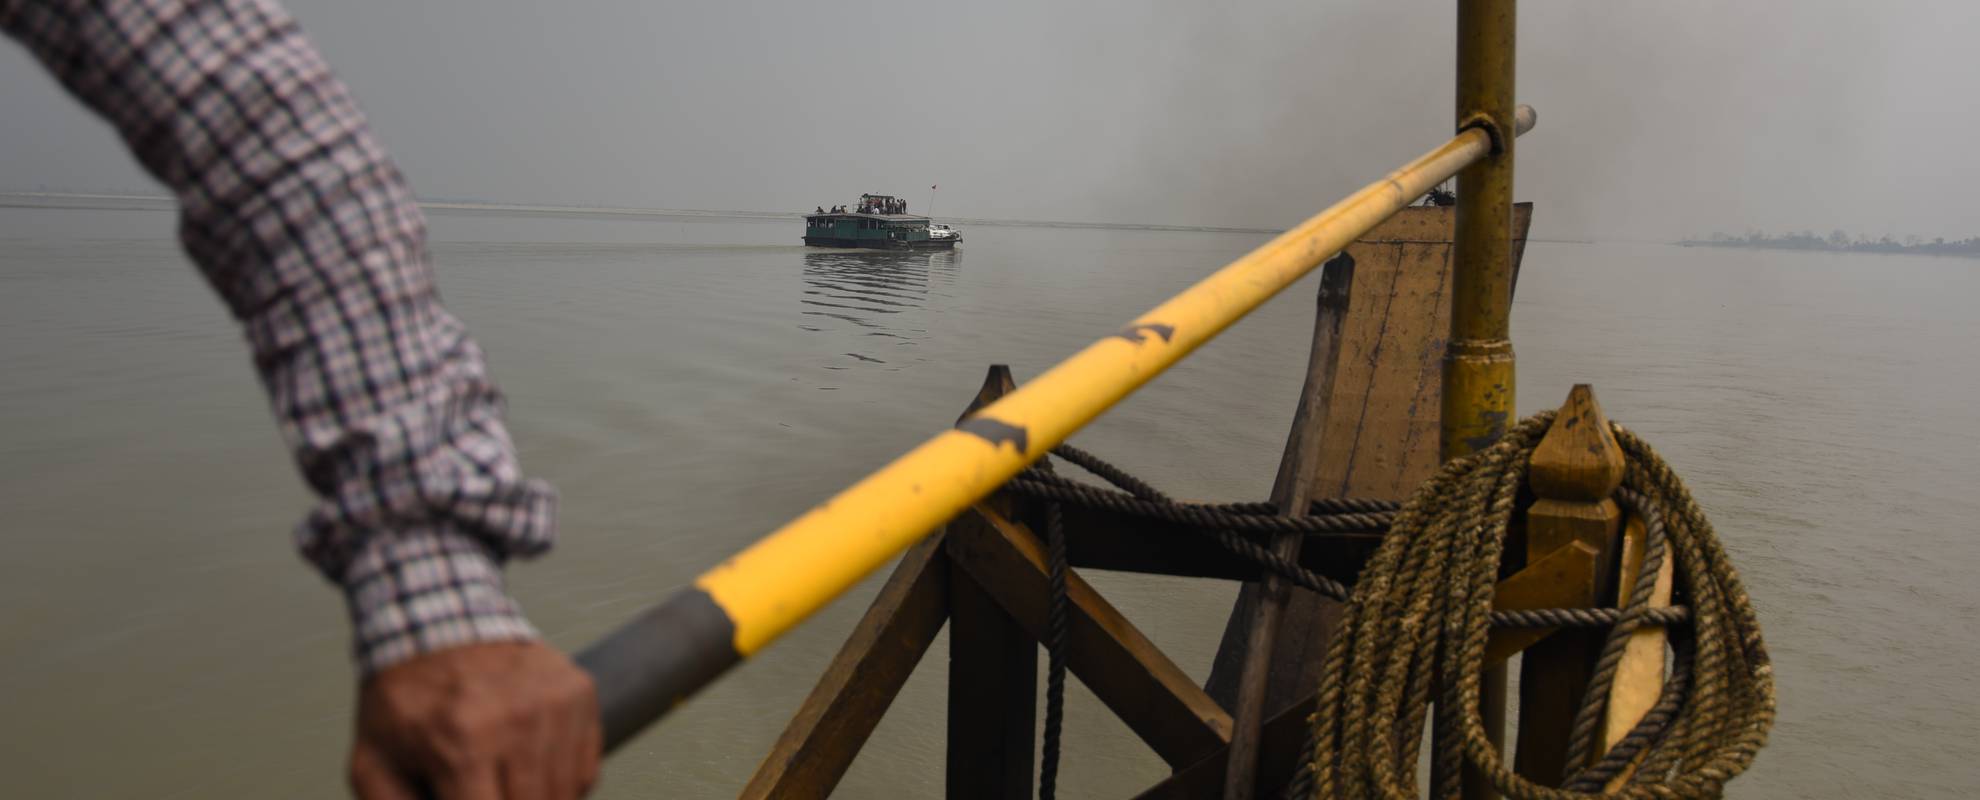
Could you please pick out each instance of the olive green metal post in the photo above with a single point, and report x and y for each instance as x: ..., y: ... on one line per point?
x: 1478, y: 366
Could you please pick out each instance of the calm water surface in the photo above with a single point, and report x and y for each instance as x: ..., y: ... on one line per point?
x: 691, y: 384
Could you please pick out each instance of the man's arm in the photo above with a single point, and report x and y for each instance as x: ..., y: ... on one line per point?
x: 299, y: 220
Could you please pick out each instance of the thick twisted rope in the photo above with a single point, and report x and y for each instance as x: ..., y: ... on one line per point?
x: 1335, y: 516
x: 1055, y: 652
x: 1581, y: 738
x: 1226, y: 522
x: 1417, y: 623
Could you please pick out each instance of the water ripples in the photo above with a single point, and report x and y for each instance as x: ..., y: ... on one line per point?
x: 872, y: 296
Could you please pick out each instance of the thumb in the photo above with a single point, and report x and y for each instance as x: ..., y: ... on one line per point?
x: 374, y: 778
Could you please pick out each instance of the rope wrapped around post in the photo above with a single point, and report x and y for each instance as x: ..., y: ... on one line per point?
x: 1232, y: 524
x: 1416, y: 626
x: 1422, y: 608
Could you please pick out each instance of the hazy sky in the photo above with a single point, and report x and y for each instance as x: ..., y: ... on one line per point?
x: 1658, y: 119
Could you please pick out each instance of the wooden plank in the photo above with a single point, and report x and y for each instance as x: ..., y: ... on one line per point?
x: 993, y: 689
x: 833, y: 724
x: 1292, y: 492
x: 1281, y: 750
x: 1101, y: 539
x: 1149, y: 693
x: 1380, y: 438
x: 1640, y: 676
x: 1546, y: 583
x: 1574, y: 469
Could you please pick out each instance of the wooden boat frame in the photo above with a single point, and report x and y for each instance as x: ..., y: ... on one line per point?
x: 983, y: 570
x: 1377, y: 353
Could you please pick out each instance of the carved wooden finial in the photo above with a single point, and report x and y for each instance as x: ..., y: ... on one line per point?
x: 1578, y: 459
x: 1575, y: 468
x: 996, y: 383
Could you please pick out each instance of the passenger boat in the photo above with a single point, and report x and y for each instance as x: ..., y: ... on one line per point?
x: 878, y: 221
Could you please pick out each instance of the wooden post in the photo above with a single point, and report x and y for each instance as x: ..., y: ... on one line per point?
x: 993, y: 694
x: 1575, y: 469
x: 993, y: 668
x: 1478, y: 399
x: 1147, y: 691
x: 1292, y: 492
x: 1377, y: 441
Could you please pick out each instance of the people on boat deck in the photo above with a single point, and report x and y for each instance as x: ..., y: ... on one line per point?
x: 874, y: 205
x: 296, y: 215
x: 821, y: 210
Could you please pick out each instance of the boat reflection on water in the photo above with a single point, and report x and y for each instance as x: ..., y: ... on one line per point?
x: 875, y: 299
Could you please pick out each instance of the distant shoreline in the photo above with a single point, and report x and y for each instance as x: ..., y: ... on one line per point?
x: 1966, y: 249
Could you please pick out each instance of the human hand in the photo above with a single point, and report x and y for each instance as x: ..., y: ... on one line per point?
x: 496, y: 721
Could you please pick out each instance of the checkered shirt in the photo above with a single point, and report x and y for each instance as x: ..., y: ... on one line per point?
x: 298, y: 219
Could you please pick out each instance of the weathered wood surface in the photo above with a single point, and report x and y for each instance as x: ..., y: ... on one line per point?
x: 993, y: 690
x: 1640, y: 676
x: 1574, y: 470
x: 1135, y: 680
x: 1380, y: 436
x: 1292, y: 492
x: 993, y: 664
x: 1104, y: 540
x: 997, y: 382
x: 828, y: 730
x: 833, y: 724
x: 1557, y: 580
x: 1281, y: 749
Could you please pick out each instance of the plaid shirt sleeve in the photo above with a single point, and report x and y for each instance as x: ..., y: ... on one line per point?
x: 298, y: 219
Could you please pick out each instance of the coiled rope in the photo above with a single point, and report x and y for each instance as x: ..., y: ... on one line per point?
x: 1416, y: 626
x: 1424, y: 599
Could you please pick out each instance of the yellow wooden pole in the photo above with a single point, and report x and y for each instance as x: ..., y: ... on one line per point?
x: 744, y: 603
x: 1478, y: 364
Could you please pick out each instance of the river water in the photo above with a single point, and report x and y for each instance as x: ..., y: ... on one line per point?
x: 690, y: 384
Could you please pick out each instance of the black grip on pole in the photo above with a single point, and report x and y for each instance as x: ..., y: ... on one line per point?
x: 649, y: 665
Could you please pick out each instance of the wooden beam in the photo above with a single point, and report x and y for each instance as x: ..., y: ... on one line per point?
x: 993, y: 691
x: 1106, y: 540
x: 833, y: 724
x: 1547, y: 583
x: 1149, y: 693
x: 1281, y: 750
x: 1640, y: 677
x: 1380, y: 437
x: 1292, y: 492
x: 1575, y: 469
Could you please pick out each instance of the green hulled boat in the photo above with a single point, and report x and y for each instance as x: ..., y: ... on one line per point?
x: 878, y: 221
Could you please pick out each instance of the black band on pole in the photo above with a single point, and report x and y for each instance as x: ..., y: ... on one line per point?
x: 652, y: 663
